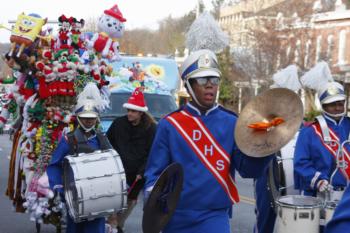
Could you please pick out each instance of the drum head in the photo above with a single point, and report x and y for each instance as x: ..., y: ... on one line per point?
x: 70, y: 191
x: 300, y: 201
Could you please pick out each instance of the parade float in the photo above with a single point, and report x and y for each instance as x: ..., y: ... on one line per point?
x: 49, y: 70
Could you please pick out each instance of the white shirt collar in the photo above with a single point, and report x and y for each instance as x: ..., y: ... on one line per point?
x: 199, y: 112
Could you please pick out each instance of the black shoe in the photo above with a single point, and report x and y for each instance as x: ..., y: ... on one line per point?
x: 120, y: 230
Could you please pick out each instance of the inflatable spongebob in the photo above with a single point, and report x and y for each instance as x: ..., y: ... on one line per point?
x: 25, y: 31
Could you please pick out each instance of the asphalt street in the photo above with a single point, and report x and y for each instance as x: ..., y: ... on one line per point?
x: 12, y: 222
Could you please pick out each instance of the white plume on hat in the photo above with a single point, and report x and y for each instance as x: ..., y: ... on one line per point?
x: 287, y: 78
x: 205, y: 33
x: 317, y: 77
x: 91, y: 95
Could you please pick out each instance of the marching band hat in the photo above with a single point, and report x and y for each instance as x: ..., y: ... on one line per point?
x: 201, y: 63
x: 331, y: 92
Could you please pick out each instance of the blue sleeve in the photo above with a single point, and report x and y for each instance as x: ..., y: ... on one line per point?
x: 55, y: 170
x: 341, y: 218
x: 159, y: 157
x: 303, y: 164
x: 247, y: 166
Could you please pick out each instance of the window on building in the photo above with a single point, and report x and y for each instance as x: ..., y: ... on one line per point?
x: 297, y: 52
x: 318, y: 48
x: 307, y: 54
x: 342, y: 47
x: 330, y: 48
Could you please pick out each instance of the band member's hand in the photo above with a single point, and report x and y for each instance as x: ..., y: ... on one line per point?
x: 323, y: 185
x: 58, y: 188
x: 138, y: 177
x: 58, y: 192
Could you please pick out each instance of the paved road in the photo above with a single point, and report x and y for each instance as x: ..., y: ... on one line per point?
x: 11, y: 222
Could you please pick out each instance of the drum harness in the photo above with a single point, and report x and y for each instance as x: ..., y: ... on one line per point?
x: 340, y: 163
x: 336, y: 166
x: 78, y: 143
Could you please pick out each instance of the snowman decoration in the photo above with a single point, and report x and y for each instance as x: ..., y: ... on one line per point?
x: 110, y: 27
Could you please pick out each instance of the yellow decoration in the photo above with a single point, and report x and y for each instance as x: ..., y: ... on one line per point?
x: 156, y: 71
x: 25, y: 31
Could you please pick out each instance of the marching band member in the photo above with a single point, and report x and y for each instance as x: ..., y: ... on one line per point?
x: 200, y: 136
x: 84, y: 139
x: 316, y: 150
x: 265, y: 208
x: 268, y: 186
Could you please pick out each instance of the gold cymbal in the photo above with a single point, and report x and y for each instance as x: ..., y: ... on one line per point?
x: 278, y: 103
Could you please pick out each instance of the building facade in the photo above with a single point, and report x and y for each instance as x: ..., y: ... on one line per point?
x: 307, y: 32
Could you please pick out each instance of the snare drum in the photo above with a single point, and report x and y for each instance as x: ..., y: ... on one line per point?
x: 95, y: 185
x: 329, y: 210
x: 297, y: 213
x: 336, y: 195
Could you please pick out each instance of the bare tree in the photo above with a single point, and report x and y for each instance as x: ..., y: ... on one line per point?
x: 271, y: 41
x: 91, y: 25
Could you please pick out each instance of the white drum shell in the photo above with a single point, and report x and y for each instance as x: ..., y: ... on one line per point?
x: 336, y: 195
x: 329, y: 211
x: 96, y: 185
x: 295, y: 217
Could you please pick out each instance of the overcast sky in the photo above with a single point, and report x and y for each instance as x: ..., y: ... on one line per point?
x: 139, y: 13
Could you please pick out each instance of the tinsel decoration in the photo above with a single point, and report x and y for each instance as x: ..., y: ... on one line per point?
x: 45, y: 209
x: 205, y: 33
x: 93, y: 93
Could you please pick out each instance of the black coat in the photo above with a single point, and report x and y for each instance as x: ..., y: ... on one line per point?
x: 133, y: 143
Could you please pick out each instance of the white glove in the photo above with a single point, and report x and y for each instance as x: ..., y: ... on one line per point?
x: 323, y: 185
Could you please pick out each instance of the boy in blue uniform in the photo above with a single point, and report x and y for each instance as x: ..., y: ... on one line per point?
x: 317, y: 145
x: 84, y: 139
x: 200, y: 136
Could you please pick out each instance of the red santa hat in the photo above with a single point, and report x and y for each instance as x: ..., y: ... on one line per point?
x: 115, y: 13
x: 136, y: 101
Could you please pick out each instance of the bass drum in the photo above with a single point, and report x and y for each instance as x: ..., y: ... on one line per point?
x: 94, y: 185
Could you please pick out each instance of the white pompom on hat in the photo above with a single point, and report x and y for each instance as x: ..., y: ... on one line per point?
x: 90, y: 102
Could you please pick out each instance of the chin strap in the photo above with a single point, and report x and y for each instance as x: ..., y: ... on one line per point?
x: 85, y: 128
x: 189, y: 88
x: 336, y: 115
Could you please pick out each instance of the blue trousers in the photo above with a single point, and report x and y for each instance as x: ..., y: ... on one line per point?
x: 265, y: 213
x: 94, y: 226
x: 199, y: 221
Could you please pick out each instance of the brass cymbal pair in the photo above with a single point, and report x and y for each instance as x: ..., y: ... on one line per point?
x: 257, y: 134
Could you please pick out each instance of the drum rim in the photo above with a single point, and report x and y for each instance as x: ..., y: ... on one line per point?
x: 68, y: 193
x: 290, y: 206
x: 331, y: 204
